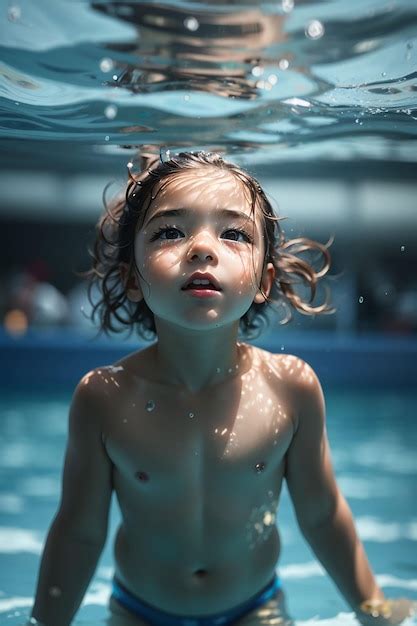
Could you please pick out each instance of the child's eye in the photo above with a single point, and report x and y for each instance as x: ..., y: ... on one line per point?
x: 166, y: 229
x: 163, y: 229
x: 240, y: 232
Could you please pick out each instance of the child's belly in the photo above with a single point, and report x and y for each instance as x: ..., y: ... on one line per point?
x: 221, y: 574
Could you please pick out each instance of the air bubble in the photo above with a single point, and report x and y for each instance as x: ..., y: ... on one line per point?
x: 272, y: 79
x: 14, y: 13
x: 315, y: 30
x: 150, y: 405
x: 191, y: 23
x: 383, y: 74
x: 283, y: 64
x: 106, y: 65
x: 402, y: 248
x: 114, y: 77
x: 190, y: 414
x: 110, y: 111
x: 130, y: 165
x: 186, y: 97
x: 287, y: 5
x: 257, y: 70
x: 361, y: 299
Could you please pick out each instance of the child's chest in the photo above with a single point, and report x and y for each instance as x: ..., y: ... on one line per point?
x: 232, y: 440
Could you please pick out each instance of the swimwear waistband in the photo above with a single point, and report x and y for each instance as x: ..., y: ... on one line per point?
x: 161, y: 618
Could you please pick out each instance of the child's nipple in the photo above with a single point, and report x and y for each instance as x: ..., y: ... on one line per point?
x: 142, y: 476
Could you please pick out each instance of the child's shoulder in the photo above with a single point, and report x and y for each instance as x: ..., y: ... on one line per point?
x: 291, y: 368
x: 300, y: 380
x: 109, y: 379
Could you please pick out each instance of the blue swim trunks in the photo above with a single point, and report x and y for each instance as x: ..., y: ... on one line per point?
x: 160, y: 618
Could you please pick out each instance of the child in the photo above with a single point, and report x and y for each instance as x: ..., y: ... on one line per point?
x: 196, y: 433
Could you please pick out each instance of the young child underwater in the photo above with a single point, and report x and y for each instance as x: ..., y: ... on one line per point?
x: 196, y: 433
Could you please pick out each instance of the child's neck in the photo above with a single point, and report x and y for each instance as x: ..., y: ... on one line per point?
x: 197, y: 362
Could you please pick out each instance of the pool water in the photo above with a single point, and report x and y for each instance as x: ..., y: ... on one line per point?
x: 279, y: 82
x: 373, y: 437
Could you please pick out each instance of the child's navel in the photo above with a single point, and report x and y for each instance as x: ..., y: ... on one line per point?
x: 142, y: 476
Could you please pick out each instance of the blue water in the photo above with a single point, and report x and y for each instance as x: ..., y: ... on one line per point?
x: 373, y: 439
x: 89, y: 83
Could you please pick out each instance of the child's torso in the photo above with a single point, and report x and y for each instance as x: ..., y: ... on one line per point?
x: 198, y: 479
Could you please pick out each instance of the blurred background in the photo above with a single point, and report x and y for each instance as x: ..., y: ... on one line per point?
x: 315, y: 100
x: 318, y: 101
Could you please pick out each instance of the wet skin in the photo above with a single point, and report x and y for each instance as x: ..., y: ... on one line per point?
x: 198, y: 495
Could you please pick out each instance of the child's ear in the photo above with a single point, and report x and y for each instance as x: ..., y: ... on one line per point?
x: 130, y: 283
x: 268, y: 277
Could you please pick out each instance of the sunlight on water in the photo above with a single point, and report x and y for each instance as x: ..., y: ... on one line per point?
x: 311, y: 79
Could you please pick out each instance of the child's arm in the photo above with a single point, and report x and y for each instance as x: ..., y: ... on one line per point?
x: 322, y: 512
x: 79, y: 529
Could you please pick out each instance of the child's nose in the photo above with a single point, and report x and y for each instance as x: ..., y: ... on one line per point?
x: 203, y: 244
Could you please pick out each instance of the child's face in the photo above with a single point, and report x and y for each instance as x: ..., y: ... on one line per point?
x: 203, y: 238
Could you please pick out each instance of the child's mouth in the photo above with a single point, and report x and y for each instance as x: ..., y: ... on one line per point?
x: 202, y: 290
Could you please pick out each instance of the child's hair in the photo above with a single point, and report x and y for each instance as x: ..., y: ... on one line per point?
x: 114, y: 245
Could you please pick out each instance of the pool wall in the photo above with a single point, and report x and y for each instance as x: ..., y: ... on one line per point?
x: 58, y: 359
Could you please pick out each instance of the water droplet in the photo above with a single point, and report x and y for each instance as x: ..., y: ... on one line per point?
x: 287, y: 5
x: 283, y: 64
x: 258, y: 70
x: 259, y: 467
x: 191, y: 23
x: 190, y: 414
x: 150, y: 405
x: 106, y: 138
x: 314, y: 30
x: 402, y: 248
x: 55, y: 592
x: 361, y: 299
x: 14, y: 13
x: 110, y: 111
x: 106, y: 65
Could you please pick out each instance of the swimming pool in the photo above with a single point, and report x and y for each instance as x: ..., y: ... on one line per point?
x: 373, y: 438
x: 330, y: 88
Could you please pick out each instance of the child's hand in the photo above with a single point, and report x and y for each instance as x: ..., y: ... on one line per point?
x: 385, y: 612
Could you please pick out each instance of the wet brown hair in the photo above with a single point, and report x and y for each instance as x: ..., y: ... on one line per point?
x: 115, y: 238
